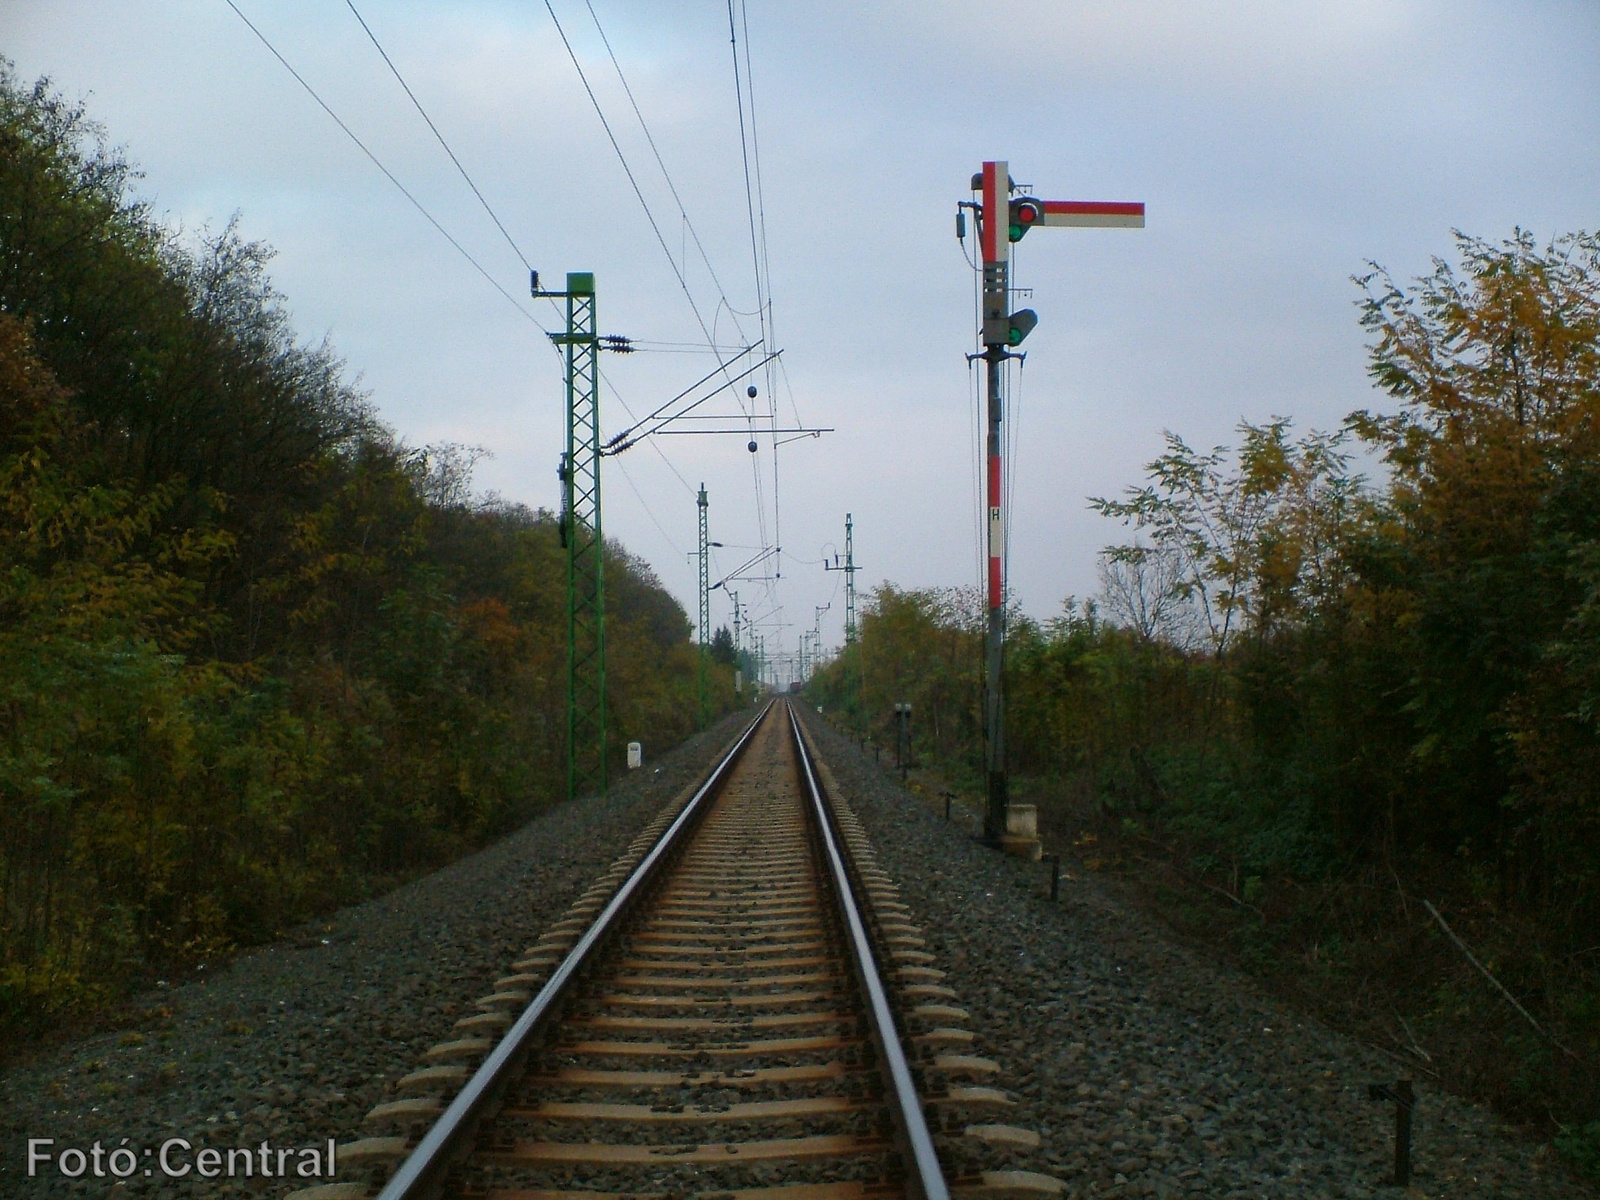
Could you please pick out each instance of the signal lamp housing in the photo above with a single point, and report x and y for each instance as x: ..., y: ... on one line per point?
x: 1026, y: 212
x: 1020, y: 325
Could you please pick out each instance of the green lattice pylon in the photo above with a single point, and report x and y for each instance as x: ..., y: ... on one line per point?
x: 705, y: 607
x: 849, y: 580
x: 586, y: 596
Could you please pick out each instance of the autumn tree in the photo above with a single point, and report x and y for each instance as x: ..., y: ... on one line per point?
x: 1493, y: 524
x: 258, y: 657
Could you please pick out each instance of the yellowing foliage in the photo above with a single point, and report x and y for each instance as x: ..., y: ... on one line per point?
x: 257, y: 658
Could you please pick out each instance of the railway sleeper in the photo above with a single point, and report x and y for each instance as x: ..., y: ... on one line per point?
x: 724, y: 1022
x: 931, y: 1017
x: 842, y: 1190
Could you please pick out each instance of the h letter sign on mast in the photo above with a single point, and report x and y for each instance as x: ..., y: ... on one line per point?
x: 1003, y: 219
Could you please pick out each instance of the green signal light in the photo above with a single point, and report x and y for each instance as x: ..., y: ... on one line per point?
x: 1020, y: 325
x: 1025, y: 214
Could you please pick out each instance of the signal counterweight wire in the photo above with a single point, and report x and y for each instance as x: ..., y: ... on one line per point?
x: 978, y: 426
x: 975, y: 457
x: 1014, y: 442
x: 1007, y: 450
x: 1013, y: 415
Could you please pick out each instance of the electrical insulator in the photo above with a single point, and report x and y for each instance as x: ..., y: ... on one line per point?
x: 751, y: 391
x: 752, y: 446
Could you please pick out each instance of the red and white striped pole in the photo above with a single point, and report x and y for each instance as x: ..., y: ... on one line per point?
x: 996, y: 246
x: 1000, y: 222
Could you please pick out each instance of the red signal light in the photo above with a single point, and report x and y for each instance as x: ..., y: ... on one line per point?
x: 1025, y: 214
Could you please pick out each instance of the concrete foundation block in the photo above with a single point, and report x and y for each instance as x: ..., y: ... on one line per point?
x: 1021, y: 837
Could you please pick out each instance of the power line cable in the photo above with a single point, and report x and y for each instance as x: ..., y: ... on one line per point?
x: 388, y: 174
x: 660, y: 162
x: 762, y: 258
x: 435, y: 223
x: 500, y: 225
x: 662, y: 408
x: 627, y: 408
x: 744, y: 152
x: 627, y: 170
x: 763, y: 304
x: 761, y: 198
x: 515, y: 249
x: 648, y: 510
x: 628, y: 438
x: 755, y: 252
x: 373, y: 158
x: 654, y: 226
x: 768, y: 328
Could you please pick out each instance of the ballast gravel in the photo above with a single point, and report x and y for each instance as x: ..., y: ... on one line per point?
x: 294, y: 1043
x: 1148, y: 1069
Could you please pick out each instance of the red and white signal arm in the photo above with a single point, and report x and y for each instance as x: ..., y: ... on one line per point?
x: 1094, y: 214
x: 1083, y: 214
x: 1000, y: 326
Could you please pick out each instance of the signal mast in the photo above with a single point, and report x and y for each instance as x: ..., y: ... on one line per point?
x: 1002, y: 220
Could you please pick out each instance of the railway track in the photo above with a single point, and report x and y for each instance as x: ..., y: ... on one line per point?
x: 740, y: 1009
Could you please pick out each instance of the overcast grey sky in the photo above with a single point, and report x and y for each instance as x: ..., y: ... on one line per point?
x: 1277, y: 145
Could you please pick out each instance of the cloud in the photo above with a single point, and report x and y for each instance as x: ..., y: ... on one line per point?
x: 1229, y: 47
x: 1278, y: 145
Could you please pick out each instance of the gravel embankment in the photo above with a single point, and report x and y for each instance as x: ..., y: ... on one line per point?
x: 1149, y: 1070
x: 294, y: 1043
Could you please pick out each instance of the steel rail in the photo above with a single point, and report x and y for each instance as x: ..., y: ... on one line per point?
x: 926, y: 1178
x: 423, y: 1172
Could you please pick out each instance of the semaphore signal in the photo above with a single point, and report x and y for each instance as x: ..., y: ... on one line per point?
x: 1002, y: 330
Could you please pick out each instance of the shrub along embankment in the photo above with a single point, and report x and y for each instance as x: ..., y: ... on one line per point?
x: 1306, y: 705
x: 257, y: 657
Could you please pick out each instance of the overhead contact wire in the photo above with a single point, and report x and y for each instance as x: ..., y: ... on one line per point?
x: 755, y: 254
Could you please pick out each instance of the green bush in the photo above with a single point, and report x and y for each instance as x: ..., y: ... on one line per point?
x: 257, y: 657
